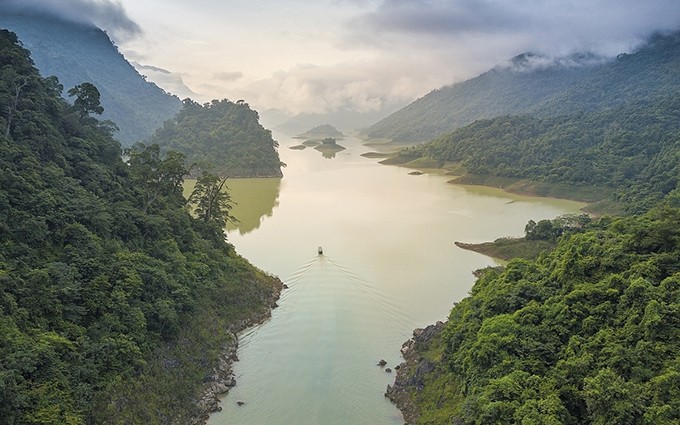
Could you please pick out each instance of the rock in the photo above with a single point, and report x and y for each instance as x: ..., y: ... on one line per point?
x: 240, y: 403
x: 411, y: 374
x: 382, y: 362
x: 388, y: 370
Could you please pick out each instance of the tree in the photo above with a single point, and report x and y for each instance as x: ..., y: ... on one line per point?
x: 212, y: 203
x: 155, y: 176
x: 87, y: 99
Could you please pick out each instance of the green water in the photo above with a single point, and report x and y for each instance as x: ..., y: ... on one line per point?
x: 389, y: 265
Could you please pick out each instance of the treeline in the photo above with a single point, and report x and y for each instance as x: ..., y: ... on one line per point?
x: 223, y: 137
x: 633, y: 150
x: 586, y: 334
x: 114, y: 301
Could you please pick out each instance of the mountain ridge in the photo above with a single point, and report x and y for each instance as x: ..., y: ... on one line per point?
x: 557, y: 87
x: 77, y: 53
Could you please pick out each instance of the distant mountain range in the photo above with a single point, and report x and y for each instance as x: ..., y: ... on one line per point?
x: 76, y: 53
x: 536, y: 85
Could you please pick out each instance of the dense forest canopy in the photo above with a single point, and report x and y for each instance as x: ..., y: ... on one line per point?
x: 114, y: 301
x: 529, y: 85
x: 222, y: 136
x: 632, y: 149
x: 586, y: 334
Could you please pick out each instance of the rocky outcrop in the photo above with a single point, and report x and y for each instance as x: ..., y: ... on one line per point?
x: 411, y: 373
x: 219, y: 383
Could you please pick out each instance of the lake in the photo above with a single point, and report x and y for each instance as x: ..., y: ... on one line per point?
x: 389, y: 265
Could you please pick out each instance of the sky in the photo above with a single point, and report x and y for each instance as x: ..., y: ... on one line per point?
x: 363, y: 55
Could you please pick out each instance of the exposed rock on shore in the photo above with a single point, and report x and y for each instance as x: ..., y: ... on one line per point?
x: 411, y: 373
x: 222, y: 379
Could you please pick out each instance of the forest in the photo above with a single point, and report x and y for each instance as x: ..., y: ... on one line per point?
x: 633, y: 151
x: 222, y: 137
x: 584, y: 328
x: 115, y: 302
x: 585, y: 334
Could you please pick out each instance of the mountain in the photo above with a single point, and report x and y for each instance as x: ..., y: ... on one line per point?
x: 531, y: 84
x: 631, y: 150
x: 78, y: 53
x: 116, y: 304
x: 586, y: 334
x: 221, y: 136
x: 321, y: 132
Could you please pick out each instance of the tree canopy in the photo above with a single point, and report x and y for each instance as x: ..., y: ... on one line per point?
x: 586, y: 334
x: 114, y: 301
x: 222, y: 137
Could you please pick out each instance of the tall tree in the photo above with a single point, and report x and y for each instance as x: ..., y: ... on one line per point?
x: 211, y: 199
x: 156, y: 176
x: 87, y: 99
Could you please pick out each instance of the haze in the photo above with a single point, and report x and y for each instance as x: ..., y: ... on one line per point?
x: 357, y: 55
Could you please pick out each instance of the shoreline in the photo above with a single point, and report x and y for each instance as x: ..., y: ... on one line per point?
x: 411, y: 372
x: 222, y: 379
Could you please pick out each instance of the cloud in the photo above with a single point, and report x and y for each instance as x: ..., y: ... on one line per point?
x: 227, y: 75
x: 360, y: 86
x: 552, y: 26
x: 108, y: 15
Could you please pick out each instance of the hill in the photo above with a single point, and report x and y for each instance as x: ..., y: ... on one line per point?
x: 533, y: 85
x: 222, y: 136
x: 78, y: 53
x: 115, y: 304
x: 586, y: 334
x: 321, y: 132
x: 631, y: 151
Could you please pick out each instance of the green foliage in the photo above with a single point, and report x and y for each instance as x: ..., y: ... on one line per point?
x: 585, y: 334
x: 87, y: 99
x: 103, y: 271
x: 223, y: 137
x: 633, y: 150
x: 211, y: 200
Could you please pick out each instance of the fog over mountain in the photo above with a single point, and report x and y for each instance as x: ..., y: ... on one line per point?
x: 366, y: 56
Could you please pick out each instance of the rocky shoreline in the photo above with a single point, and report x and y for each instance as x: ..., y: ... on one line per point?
x: 223, y: 379
x: 411, y: 373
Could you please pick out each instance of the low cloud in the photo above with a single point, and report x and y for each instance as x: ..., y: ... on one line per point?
x: 548, y: 26
x: 364, y: 87
x: 227, y: 75
x: 108, y: 15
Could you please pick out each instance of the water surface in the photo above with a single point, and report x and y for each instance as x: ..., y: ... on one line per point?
x: 389, y: 265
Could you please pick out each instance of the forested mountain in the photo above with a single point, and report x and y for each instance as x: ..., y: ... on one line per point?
x: 532, y: 85
x: 633, y: 150
x: 222, y: 136
x: 586, y: 334
x: 78, y: 53
x: 114, y: 301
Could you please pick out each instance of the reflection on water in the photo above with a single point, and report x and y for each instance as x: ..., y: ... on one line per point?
x: 254, y: 200
x: 389, y: 266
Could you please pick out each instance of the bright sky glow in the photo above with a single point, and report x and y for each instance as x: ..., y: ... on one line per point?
x: 328, y: 55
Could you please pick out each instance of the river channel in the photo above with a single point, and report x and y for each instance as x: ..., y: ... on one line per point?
x: 389, y: 265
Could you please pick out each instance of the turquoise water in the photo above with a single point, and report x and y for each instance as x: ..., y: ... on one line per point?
x: 389, y: 265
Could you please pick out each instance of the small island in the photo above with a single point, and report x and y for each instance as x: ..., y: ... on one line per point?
x: 321, y: 132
